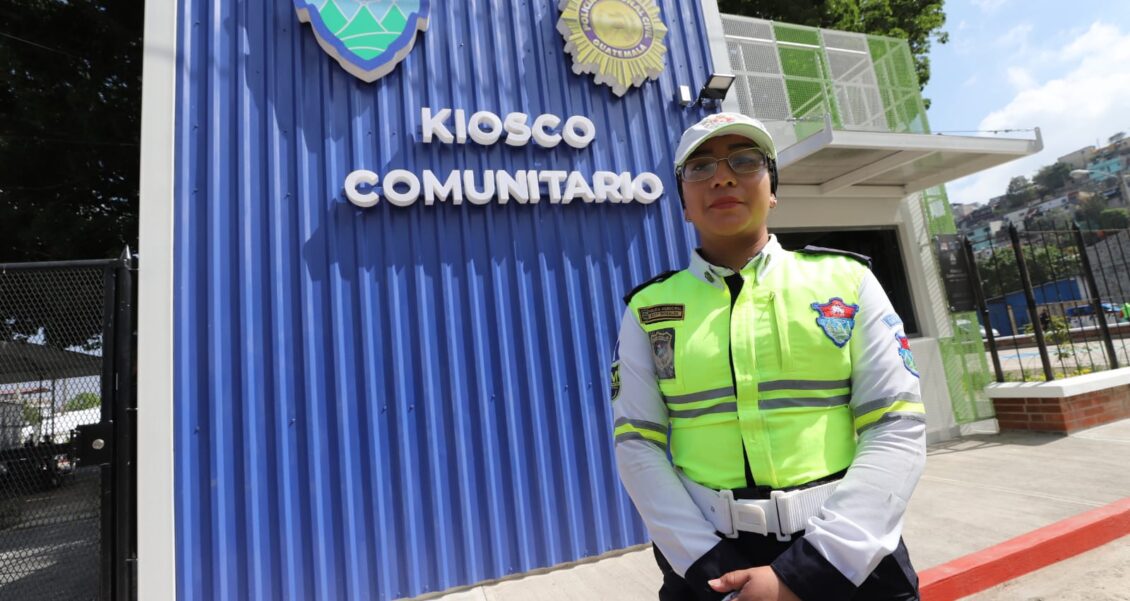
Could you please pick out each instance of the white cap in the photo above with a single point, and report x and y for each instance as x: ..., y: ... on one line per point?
x: 722, y: 124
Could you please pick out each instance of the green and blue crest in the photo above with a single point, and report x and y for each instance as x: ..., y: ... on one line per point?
x: 367, y: 37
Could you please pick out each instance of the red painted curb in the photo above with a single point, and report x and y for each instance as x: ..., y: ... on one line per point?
x: 1026, y: 553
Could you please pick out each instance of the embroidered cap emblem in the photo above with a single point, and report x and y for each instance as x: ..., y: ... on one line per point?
x: 663, y: 352
x: 907, y: 357
x: 837, y: 319
x: 715, y: 121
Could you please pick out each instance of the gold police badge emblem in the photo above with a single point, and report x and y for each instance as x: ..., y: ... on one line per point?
x: 619, y: 41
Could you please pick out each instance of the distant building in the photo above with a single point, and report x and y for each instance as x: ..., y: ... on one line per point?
x: 996, y: 201
x: 1104, y: 166
x: 961, y: 211
x: 983, y: 236
x: 1079, y: 158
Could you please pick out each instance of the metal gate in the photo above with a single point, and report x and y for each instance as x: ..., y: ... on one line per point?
x: 66, y: 430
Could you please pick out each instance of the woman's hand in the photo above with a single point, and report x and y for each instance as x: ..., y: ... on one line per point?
x: 754, y: 584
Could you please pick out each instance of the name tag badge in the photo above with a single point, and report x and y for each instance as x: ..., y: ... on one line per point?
x: 658, y: 313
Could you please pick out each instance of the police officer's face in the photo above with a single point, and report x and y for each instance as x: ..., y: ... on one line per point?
x: 728, y: 203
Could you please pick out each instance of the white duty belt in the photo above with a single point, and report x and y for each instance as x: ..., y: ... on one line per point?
x: 782, y: 514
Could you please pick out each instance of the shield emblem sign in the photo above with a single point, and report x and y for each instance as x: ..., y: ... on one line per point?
x: 367, y: 37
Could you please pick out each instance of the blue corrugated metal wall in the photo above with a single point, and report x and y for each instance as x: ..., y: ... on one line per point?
x: 381, y: 403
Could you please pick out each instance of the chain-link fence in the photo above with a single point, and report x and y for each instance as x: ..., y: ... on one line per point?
x: 52, y: 329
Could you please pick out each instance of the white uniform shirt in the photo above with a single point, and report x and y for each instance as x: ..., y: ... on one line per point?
x: 862, y: 521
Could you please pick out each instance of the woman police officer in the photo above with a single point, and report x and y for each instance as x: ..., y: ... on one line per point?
x: 768, y: 423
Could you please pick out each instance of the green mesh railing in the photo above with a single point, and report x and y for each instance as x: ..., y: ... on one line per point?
x: 808, y: 81
x: 898, y: 85
x: 963, y: 354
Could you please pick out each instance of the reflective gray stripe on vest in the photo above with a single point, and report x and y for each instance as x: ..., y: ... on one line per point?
x: 894, y: 416
x: 641, y: 424
x: 626, y: 436
x: 731, y: 407
x: 865, y: 408
x: 705, y: 395
x: 803, y: 385
x: 831, y: 401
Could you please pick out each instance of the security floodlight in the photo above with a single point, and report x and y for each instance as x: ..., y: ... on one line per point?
x: 716, y: 87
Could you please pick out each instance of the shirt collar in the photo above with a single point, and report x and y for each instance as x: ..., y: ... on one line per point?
x: 755, y: 268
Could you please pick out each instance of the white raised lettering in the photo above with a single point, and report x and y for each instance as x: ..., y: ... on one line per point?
x: 647, y: 188
x: 515, y: 186
x: 552, y: 180
x: 579, y: 131
x: 487, y: 136
x: 517, y: 132
x: 577, y: 187
x: 475, y: 196
x: 542, y: 134
x: 401, y: 177
x: 626, y: 192
x: 460, y: 126
x: 606, y: 186
x: 355, y: 196
x: 434, y: 126
x: 535, y: 186
x: 434, y: 189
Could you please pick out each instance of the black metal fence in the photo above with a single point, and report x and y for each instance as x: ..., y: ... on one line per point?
x: 1054, y: 303
x: 65, y: 335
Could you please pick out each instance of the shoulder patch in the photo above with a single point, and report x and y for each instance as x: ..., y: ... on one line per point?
x: 820, y: 250
x: 654, y: 280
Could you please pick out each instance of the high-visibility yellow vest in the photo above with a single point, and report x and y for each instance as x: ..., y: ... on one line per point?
x: 787, y: 398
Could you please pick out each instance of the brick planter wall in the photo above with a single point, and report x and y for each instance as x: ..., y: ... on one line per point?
x: 1065, y: 414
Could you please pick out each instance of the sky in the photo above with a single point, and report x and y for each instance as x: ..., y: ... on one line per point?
x: 1020, y: 64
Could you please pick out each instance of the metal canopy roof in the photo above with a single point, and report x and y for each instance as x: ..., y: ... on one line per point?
x: 883, y: 164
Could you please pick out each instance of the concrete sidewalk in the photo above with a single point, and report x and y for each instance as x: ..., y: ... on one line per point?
x: 977, y: 491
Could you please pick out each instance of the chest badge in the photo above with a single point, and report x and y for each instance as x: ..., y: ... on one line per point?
x: 837, y: 319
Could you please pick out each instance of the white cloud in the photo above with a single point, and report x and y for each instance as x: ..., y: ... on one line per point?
x: 1021, y: 79
x: 1089, y: 102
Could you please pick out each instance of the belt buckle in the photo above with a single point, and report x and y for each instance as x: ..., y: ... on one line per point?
x: 749, y: 517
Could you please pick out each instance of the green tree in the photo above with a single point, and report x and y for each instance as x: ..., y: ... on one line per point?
x: 1114, y: 219
x: 1053, y: 177
x: 70, y: 104
x: 1090, y: 209
x: 83, y: 400
x: 32, y: 416
x: 1000, y: 274
x: 1054, y: 220
x: 916, y: 21
x: 1019, y: 192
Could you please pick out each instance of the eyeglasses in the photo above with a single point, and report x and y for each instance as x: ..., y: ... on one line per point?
x: 747, y: 160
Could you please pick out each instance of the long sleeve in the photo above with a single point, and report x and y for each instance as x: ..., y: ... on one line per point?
x: 676, y: 525
x: 861, y: 522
